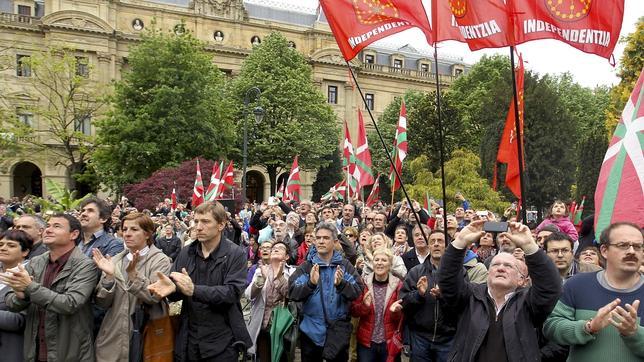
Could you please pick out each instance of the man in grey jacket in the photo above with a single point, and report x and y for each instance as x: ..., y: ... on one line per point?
x: 55, y: 290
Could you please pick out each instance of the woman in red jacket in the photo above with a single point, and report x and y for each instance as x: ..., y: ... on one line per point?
x: 378, y: 309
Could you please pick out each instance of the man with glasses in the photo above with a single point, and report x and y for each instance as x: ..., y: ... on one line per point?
x: 497, y: 321
x: 559, y: 247
x: 599, y: 314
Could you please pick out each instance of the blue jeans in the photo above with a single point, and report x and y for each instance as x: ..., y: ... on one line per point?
x: 424, y: 350
x: 376, y: 353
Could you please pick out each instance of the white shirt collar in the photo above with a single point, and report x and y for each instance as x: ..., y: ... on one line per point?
x: 142, y: 252
x: 499, y: 309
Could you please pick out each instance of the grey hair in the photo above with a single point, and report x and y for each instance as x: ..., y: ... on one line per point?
x: 328, y: 226
x: 40, y: 222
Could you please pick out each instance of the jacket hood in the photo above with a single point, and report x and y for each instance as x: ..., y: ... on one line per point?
x: 469, y: 255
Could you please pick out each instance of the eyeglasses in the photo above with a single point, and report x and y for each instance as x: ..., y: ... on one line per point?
x: 564, y: 251
x: 624, y: 245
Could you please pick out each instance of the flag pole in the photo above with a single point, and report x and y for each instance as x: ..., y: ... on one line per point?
x: 440, y: 139
x: 517, y: 124
x: 384, y: 146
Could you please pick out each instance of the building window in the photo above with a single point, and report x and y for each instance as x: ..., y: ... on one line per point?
x: 333, y: 94
x: 398, y: 63
x: 82, y: 66
x: 25, y: 118
x: 23, y: 68
x: 369, y: 59
x: 24, y: 10
x: 424, y: 67
x: 83, y: 125
x: 370, y: 100
x: 458, y: 72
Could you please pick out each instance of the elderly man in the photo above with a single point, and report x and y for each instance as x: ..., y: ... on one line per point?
x: 34, y: 226
x: 599, y: 314
x: 498, y: 321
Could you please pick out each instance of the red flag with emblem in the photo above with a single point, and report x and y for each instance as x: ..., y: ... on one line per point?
x: 507, y: 147
x: 197, y: 190
x: 293, y: 185
x: 483, y: 23
x: 591, y: 26
x: 444, y: 25
x: 357, y: 23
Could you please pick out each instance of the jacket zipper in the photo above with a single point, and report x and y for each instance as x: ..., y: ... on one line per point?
x: 435, y: 321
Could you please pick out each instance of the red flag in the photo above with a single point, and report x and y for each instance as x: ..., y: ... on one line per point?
x: 444, y: 25
x: 174, y: 198
x: 507, y: 147
x: 197, y: 191
x: 363, y: 156
x: 483, y: 23
x: 227, y: 181
x: 374, y: 195
x: 590, y: 26
x: 357, y: 23
x: 293, y: 185
x: 400, y: 147
x: 619, y: 195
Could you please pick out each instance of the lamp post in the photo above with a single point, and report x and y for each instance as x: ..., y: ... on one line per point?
x: 258, y: 112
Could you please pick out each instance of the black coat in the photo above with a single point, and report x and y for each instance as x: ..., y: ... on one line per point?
x: 525, y: 311
x: 410, y: 259
x: 214, y: 307
x: 169, y: 247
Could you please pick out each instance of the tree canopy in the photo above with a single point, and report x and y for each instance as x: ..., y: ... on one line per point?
x: 169, y: 107
x: 297, y: 119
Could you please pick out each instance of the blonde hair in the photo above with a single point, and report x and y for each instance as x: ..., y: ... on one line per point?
x: 386, y: 251
x: 387, y: 239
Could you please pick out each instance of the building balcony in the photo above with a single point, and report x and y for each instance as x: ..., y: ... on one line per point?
x: 20, y: 20
x: 407, y: 73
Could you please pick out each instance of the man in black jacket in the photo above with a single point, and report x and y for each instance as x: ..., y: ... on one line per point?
x: 209, y: 276
x: 497, y: 321
x: 430, y: 328
x: 169, y: 243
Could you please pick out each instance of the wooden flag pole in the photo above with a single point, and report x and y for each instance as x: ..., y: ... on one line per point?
x: 384, y: 146
x: 517, y: 124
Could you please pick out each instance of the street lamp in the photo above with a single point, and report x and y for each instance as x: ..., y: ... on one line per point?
x: 258, y: 112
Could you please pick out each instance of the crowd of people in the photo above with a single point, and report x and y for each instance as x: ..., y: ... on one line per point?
x: 108, y: 282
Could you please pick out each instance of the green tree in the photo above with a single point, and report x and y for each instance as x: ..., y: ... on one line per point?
x: 592, y: 148
x: 69, y: 101
x: 630, y: 66
x: 169, y: 107
x: 327, y: 175
x: 297, y: 118
x: 460, y: 176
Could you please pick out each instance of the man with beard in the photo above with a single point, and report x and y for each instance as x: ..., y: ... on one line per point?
x: 598, y: 314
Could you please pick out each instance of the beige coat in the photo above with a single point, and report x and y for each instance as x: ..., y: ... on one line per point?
x: 113, y: 340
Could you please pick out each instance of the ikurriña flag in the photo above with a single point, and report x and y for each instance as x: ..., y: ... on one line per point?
x: 197, y: 191
x: 483, y: 23
x: 363, y: 156
x: 374, y: 195
x: 591, y: 26
x: 293, y: 185
x: 400, y: 147
x: 357, y: 23
x: 619, y: 195
x: 227, y: 181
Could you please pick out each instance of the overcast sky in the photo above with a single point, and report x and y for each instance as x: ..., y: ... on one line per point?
x: 543, y: 56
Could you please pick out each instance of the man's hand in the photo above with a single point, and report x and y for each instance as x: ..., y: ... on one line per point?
x: 315, y: 274
x: 435, y: 292
x: 17, y: 280
x: 469, y: 234
x: 368, y: 299
x: 339, y: 275
x: 183, y: 282
x: 162, y: 287
x: 422, y: 285
x: 603, y: 317
x: 396, y: 306
x: 522, y: 237
x: 625, y: 320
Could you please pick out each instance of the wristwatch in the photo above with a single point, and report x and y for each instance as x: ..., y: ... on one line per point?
x: 587, y: 328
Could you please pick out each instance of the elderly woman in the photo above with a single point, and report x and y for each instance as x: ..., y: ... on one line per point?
x: 123, y: 286
x: 14, y: 248
x: 380, y: 240
x: 268, y: 290
x: 378, y: 309
x: 485, y: 247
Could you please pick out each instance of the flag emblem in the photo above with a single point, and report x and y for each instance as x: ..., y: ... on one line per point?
x: 371, y: 12
x: 458, y: 7
x: 568, y: 10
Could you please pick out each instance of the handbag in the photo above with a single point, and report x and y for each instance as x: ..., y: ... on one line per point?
x: 338, y: 333
x: 395, y: 343
x: 293, y: 332
x: 158, y: 338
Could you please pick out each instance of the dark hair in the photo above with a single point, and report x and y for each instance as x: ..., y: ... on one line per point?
x: 145, y: 223
x: 288, y: 249
x: 104, y: 210
x: 604, y: 237
x: 401, y: 227
x: 74, y: 224
x: 557, y: 201
x: 602, y: 261
x: 550, y: 227
x: 448, y: 239
x: 558, y: 236
x: 25, y: 241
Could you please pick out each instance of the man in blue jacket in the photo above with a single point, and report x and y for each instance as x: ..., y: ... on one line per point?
x: 325, y: 284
